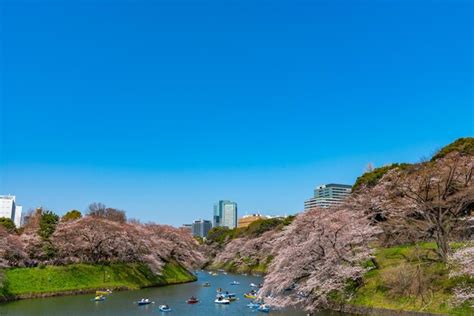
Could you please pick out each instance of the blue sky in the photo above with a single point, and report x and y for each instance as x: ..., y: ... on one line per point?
x: 163, y: 107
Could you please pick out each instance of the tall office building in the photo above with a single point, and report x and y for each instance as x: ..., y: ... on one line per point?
x: 9, y: 209
x: 201, y: 227
x: 225, y: 214
x: 328, y: 195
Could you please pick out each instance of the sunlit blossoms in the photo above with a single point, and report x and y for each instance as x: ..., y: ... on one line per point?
x: 318, y: 254
x: 462, y: 263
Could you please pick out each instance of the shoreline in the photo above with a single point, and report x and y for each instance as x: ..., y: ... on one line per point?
x: 30, y: 283
x: 83, y: 291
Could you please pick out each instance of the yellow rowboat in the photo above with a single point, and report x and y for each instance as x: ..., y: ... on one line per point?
x: 250, y: 296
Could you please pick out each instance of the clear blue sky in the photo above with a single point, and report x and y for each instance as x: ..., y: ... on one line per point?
x: 163, y: 107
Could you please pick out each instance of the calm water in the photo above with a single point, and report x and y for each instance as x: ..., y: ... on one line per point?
x: 122, y: 303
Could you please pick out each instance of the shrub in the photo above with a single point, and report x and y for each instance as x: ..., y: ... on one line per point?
x: 461, y: 145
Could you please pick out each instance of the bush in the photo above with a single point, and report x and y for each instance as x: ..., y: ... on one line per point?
x: 71, y: 215
x: 371, y: 178
x: 405, y: 280
x: 8, y: 224
x: 461, y: 145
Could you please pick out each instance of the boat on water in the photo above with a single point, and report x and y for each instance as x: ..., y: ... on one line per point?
x: 221, y: 300
x: 250, y: 295
x: 99, y: 298
x: 192, y: 300
x: 206, y: 284
x: 144, y: 301
x: 234, y: 283
x: 253, y: 285
x: 253, y: 305
x: 164, y: 308
x: 230, y: 296
x: 263, y: 308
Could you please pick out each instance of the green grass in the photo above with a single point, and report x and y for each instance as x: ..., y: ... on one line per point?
x: 51, y: 279
x: 376, y: 293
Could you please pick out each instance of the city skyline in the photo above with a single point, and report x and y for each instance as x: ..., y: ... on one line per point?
x: 162, y: 109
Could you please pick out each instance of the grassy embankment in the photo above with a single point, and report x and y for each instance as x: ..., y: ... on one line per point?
x: 78, y: 278
x: 410, y: 278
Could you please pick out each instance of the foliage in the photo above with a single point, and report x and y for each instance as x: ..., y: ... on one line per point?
x: 255, y: 229
x: 86, y: 276
x: 371, y: 178
x: 261, y: 226
x: 220, y: 234
x: 8, y: 224
x: 47, y: 225
x: 71, y: 215
x: 461, y: 145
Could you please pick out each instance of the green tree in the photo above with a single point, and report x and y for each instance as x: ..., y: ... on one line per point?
x: 48, y: 222
x: 8, y: 224
x: 71, y: 215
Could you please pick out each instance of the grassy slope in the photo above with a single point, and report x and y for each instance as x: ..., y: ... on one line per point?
x: 376, y: 293
x: 50, y: 279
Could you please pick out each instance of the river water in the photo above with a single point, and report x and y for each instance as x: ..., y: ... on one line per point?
x: 122, y: 303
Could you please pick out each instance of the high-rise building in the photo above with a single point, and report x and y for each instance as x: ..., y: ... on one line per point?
x: 201, y: 227
x: 225, y: 214
x: 328, y: 195
x: 9, y: 209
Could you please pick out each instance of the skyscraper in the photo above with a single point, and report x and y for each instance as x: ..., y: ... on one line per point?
x: 225, y: 214
x: 201, y: 227
x: 9, y: 209
x: 327, y: 195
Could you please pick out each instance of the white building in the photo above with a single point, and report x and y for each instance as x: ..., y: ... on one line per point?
x: 229, y: 215
x: 9, y: 209
x: 328, y: 195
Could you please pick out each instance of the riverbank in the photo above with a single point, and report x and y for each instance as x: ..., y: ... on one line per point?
x: 21, y: 283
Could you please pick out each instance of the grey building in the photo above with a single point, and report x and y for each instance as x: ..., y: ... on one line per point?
x: 328, y: 195
x: 225, y: 214
x: 201, y: 227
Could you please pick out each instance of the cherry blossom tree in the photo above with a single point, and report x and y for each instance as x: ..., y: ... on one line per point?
x: 462, y: 264
x: 435, y: 198
x: 12, y: 252
x: 318, y: 254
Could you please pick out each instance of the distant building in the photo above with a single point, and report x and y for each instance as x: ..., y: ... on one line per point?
x: 225, y: 214
x: 201, y: 227
x: 188, y: 227
x: 9, y: 209
x: 328, y: 195
x: 246, y: 220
